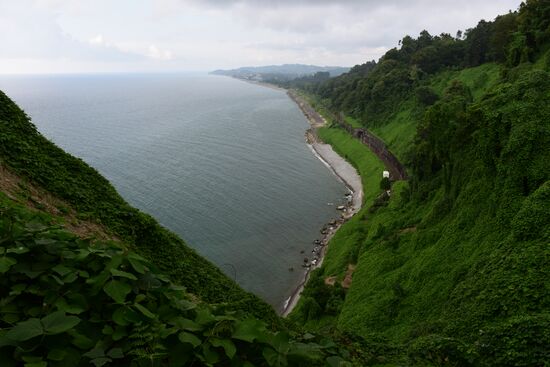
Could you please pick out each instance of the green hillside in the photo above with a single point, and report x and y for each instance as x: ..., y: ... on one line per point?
x: 85, y: 279
x: 30, y: 155
x: 451, y: 269
x: 454, y: 269
x: 68, y: 301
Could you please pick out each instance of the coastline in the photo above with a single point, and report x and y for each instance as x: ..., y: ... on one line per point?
x: 340, y: 167
x: 344, y: 171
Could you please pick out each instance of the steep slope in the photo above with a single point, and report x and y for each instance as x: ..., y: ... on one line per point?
x: 68, y: 301
x: 28, y: 154
x: 454, y: 269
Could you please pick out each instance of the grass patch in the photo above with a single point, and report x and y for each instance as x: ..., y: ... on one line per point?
x: 359, y: 155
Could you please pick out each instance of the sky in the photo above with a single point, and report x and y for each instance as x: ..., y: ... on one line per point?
x: 88, y: 36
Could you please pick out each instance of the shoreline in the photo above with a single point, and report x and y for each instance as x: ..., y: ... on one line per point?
x: 344, y: 171
x: 339, y: 167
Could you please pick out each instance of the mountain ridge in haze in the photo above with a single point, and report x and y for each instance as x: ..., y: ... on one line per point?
x: 285, y: 71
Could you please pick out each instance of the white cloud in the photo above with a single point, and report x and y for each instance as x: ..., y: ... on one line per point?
x: 156, y: 53
x: 158, y: 35
x: 97, y: 40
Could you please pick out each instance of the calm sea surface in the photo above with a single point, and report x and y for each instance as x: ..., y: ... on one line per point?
x: 221, y: 162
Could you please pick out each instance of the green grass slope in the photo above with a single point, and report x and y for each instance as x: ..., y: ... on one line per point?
x: 467, y: 257
x: 66, y: 302
x: 26, y: 152
x: 456, y: 267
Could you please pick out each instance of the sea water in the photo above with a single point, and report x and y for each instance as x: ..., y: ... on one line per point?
x: 221, y: 162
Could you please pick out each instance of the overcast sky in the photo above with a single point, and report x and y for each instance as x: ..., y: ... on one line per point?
x: 56, y: 36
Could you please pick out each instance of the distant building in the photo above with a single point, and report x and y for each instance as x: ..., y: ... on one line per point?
x: 385, y: 174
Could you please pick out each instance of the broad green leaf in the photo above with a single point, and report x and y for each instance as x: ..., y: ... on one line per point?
x: 166, y: 332
x: 6, y: 263
x: 210, y: 355
x: 115, y: 353
x: 81, y: 341
x: 144, y: 311
x: 120, y: 273
x: 25, y: 330
x: 4, y: 341
x: 17, y: 289
x: 137, y: 265
x: 45, y: 241
x: 117, y: 290
x: 34, y: 226
x: 76, y: 302
x: 98, y: 280
x: 140, y: 297
x: 37, y: 364
x: 73, y: 308
x: 308, y: 351
x: 98, y: 362
x: 204, y: 317
x: 120, y: 332
x: 31, y: 359
x: 280, y: 343
x: 273, y: 358
x: 61, y: 270
x: 18, y: 250
x: 115, y: 262
x: 82, y: 254
x: 248, y: 330
x: 226, y: 344
x: 56, y: 354
x: 187, y: 324
x: 148, y: 281
x: 58, y: 322
x: 184, y: 305
x: 70, y: 278
x: 125, y: 316
x: 96, y: 352
x: 189, y: 338
x: 56, y: 278
x: 335, y: 361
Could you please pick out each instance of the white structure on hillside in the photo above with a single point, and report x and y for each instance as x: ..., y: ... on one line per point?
x: 385, y: 174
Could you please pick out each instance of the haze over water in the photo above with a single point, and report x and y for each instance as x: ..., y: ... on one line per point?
x: 220, y: 162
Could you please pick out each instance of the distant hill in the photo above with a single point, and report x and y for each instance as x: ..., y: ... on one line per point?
x: 281, y: 72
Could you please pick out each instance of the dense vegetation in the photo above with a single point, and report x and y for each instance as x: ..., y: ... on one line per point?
x: 66, y: 301
x: 283, y: 73
x: 454, y: 269
x: 37, y: 159
x: 373, y: 91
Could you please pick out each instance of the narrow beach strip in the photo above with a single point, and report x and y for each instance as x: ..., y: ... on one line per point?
x: 341, y: 169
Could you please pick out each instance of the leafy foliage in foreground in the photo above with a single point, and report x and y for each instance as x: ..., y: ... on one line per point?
x: 37, y: 159
x: 65, y: 301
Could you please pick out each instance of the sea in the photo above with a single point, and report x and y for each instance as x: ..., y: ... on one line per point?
x: 221, y: 162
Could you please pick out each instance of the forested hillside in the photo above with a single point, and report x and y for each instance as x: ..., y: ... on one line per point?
x: 86, y: 279
x: 454, y: 268
x: 451, y: 269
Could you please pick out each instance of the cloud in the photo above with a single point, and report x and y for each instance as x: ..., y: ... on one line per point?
x: 97, y: 40
x: 210, y: 34
x: 155, y: 53
x: 30, y: 32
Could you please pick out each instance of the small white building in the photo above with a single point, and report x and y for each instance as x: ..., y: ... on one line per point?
x: 385, y: 174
